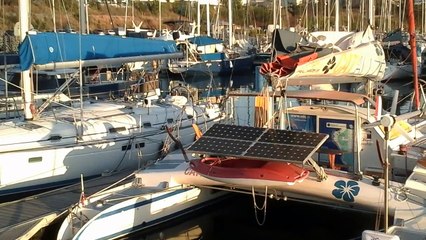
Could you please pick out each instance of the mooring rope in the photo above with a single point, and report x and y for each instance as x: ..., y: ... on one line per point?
x: 321, y: 174
x: 257, y: 208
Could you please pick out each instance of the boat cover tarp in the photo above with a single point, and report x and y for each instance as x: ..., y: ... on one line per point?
x: 212, y: 56
x: 285, y: 41
x: 50, y: 47
x: 287, y: 63
x: 204, y: 40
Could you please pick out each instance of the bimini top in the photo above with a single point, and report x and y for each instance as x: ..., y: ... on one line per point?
x: 258, y: 143
x: 339, y: 96
x: 354, y: 98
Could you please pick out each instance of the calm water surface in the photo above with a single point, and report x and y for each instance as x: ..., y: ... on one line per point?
x: 235, y: 218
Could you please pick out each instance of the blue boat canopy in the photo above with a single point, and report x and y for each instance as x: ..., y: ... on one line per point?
x: 50, y: 47
x: 204, y: 40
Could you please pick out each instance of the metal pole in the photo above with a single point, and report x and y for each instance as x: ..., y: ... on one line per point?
x: 386, y: 169
x: 387, y: 121
x: 159, y: 17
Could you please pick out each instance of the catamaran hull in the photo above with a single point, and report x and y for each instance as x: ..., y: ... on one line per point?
x: 139, y: 213
x: 337, y: 191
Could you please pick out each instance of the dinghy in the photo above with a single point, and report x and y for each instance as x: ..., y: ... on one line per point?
x: 254, y: 172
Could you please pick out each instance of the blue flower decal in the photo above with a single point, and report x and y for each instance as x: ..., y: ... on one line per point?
x: 346, y: 190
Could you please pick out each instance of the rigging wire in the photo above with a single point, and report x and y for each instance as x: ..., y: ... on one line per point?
x: 66, y: 14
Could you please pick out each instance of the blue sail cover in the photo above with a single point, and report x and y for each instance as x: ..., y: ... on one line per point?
x: 50, y: 47
x: 204, y: 40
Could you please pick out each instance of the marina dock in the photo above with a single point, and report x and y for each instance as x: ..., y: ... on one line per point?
x: 22, y: 219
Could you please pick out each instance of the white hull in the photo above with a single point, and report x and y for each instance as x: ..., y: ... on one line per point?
x: 48, y: 153
x: 154, y: 197
x: 136, y: 214
x: 340, y: 189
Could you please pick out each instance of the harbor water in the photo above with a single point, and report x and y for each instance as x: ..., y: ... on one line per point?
x: 237, y: 218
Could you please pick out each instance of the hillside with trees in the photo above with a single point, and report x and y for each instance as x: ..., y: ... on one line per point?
x: 103, y: 16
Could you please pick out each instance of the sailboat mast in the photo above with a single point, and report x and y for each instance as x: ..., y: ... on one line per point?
x: 412, y: 32
x: 336, y: 20
x: 54, y: 15
x: 208, y: 18
x: 230, y: 23
x: 24, y: 14
x: 83, y: 17
x: 159, y: 17
x: 198, y: 18
x: 371, y: 12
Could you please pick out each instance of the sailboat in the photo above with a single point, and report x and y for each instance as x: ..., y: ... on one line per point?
x: 204, y: 55
x: 239, y: 149
x: 54, y: 144
x: 209, y: 56
x: 399, y: 62
x: 151, y: 197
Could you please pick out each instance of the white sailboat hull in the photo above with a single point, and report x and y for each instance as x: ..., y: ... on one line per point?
x: 48, y: 153
x: 138, y: 213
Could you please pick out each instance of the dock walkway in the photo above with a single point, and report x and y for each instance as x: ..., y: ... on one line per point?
x: 22, y: 219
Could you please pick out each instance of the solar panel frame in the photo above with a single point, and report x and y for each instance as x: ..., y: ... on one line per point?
x: 258, y: 143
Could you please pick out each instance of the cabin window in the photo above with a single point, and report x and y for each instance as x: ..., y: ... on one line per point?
x: 170, y: 120
x: 147, y: 125
x: 140, y: 145
x: 55, y: 138
x: 35, y: 159
x: 305, y: 123
x: 126, y: 147
x: 117, y: 129
x: 367, y: 137
x: 341, y: 140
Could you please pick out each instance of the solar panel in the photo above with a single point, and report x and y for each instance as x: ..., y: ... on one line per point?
x: 231, y: 131
x: 220, y: 146
x: 258, y: 143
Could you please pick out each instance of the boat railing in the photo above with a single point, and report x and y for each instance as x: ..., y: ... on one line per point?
x: 9, y: 108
